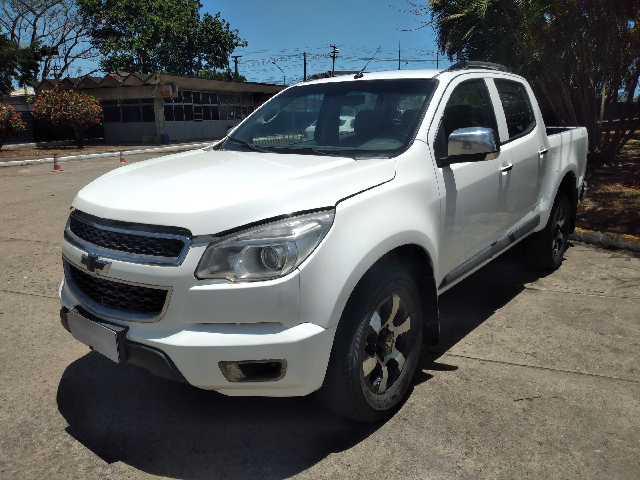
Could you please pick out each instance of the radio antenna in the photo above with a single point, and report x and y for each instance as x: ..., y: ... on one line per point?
x: 360, y: 74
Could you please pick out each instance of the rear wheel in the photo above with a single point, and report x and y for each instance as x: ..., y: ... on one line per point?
x: 545, y: 249
x: 376, y: 348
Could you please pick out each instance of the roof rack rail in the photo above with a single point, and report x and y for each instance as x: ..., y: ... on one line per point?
x: 484, y: 65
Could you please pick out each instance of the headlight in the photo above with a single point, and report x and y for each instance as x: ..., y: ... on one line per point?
x: 265, y: 252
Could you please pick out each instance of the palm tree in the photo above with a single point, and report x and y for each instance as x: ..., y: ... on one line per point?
x: 578, y: 53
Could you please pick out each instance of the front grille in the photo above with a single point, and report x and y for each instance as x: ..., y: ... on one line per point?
x: 131, y: 299
x: 112, y: 239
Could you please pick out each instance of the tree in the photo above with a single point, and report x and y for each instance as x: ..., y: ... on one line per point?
x: 54, y: 26
x: 225, y: 75
x: 580, y: 54
x: 11, y: 123
x: 16, y: 64
x: 149, y: 36
x: 67, y: 110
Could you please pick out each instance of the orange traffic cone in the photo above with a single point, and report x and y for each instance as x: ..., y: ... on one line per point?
x: 122, y: 160
x: 56, y: 163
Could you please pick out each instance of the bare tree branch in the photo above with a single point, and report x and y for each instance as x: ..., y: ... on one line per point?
x: 55, y: 25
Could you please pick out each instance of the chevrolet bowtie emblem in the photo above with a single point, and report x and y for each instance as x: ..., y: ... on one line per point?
x: 94, y: 264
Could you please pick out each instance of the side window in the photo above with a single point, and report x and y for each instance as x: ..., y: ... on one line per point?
x: 517, y: 107
x: 468, y: 106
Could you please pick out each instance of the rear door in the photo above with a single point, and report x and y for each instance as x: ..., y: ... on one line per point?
x: 522, y: 146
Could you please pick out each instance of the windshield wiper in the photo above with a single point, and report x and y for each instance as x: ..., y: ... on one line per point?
x: 247, y: 144
x: 333, y: 153
x: 307, y: 150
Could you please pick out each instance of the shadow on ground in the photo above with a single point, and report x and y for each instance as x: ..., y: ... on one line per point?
x: 123, y: 413
x: 467, y: 305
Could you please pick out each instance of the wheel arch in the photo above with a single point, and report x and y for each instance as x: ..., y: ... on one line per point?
x: 568, y: 186
x: 417, y: 261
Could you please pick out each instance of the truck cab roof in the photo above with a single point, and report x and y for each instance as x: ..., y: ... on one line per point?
x: 442, y: 74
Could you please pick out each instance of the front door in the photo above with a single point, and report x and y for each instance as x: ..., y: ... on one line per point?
x: 474, y: 209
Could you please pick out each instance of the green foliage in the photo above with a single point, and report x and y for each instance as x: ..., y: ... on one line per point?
x: 67, y: 110
x: 11, y: 123
x: 17, y: 63
x: 225, y: 75
x: 148, y: 36
x: 578, y: 53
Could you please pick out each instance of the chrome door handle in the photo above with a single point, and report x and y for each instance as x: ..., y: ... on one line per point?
x: 506, y: 168
x: 543, y: 151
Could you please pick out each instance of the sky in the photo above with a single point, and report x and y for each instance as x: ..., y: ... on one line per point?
x: 283, y: 29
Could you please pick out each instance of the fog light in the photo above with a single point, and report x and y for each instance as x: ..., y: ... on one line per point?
x: 253, y: 370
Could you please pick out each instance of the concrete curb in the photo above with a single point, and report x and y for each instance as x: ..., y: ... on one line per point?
x: 607, y: 239
x: 116, y: 153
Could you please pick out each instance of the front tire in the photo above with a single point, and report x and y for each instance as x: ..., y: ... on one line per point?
x: 545, y: 249
x: 376, y: 348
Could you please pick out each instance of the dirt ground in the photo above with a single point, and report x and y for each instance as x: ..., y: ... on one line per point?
x: 47, y: 151
x: 613, y: 198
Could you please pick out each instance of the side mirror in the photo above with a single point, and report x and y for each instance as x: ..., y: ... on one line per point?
x: 471, y: 144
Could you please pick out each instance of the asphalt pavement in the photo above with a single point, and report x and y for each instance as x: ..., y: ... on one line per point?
x: 537, y: 376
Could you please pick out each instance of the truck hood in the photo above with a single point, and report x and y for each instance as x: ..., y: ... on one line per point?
x: 210, y: 191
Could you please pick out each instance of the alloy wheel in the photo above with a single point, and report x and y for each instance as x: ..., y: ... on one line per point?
x: 559, y: 232
x: 386, y: 345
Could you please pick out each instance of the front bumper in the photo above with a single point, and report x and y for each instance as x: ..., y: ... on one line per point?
x: 206, y: 323
x: 194, y: 355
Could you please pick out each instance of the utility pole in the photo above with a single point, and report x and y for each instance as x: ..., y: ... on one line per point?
x: 304, y: 76
x: 399, y: 67
x: 334, y: 54
x: 235, y: 61
x: 438, y: 60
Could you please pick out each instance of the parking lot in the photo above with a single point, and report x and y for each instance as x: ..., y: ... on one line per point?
x: 537, y: 376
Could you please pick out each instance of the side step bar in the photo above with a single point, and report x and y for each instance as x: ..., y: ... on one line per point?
x: 491, y: 251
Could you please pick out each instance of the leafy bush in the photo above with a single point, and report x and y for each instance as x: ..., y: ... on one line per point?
x: 11, y: 123
x: 67, y: 110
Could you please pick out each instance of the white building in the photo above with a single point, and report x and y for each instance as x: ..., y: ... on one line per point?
x: 163, y: 107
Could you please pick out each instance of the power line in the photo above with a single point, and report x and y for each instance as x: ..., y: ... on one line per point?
x: 258, y: 64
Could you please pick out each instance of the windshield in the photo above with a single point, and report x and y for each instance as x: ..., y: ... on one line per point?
x: 374, y: 118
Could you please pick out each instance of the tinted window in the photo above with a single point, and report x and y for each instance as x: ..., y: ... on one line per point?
x: 188, y: 113
x: 178, y: 113
x: 111, y: 114
x: 148, y: 115
x: 517, y: 107
x: 131, y: 114
x: 355, y: 119
x: 468, y: 106
x: 197, y: 113
x: 168, y: 113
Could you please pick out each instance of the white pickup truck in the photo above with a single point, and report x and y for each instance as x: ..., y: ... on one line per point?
x: 278, y: 263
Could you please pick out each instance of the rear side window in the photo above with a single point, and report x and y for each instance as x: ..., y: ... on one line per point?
x: 468, y: 106
x: 517, y: 108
